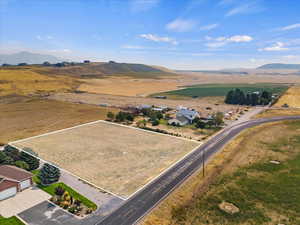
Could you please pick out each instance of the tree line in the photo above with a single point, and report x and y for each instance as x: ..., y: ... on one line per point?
x: 238, y: 97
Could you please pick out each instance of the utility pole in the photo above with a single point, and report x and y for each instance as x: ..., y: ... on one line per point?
x: 203, y: 162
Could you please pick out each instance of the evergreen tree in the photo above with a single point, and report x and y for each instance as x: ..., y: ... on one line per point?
x: 12, y: 152
x: 33, y: 162
x: 229, y: 97
x: 49, y: 174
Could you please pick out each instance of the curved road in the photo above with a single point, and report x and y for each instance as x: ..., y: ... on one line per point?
x: 146, y: 199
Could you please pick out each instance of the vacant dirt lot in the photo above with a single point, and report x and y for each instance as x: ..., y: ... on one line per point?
x: 116, y: 158
x: 290, y: 97
x: 23, y: 117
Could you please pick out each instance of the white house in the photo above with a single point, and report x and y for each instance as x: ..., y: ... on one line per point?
x: 184, y: 116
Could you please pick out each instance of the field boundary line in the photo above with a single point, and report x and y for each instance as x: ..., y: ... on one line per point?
x: 68, y: 172
x: 149, y: 131
x: 166, y: 170
x: 100, y: 121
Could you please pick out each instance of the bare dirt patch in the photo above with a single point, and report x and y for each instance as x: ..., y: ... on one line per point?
x: 23, y: 117
x: 116, y: 158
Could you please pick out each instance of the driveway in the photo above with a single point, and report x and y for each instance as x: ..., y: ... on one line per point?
x: 47, y: 213
x: 22, y: 201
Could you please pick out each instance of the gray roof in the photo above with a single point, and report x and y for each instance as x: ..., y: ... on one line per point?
x: 189, y: 114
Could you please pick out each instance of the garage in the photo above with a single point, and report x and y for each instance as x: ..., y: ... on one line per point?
x: 25, y: 184
x: 7, y: 189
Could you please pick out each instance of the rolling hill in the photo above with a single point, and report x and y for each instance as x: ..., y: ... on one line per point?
x: 100, y: 69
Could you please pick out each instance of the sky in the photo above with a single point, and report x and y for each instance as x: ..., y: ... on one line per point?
x: 178, y: 34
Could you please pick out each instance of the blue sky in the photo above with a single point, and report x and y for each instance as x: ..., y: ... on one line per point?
x: 179, y: 34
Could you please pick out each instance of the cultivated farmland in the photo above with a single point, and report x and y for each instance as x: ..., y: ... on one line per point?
x: 116, y: 158
x: 206, y: 90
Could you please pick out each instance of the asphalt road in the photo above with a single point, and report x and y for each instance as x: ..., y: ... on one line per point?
x: 135, y: 208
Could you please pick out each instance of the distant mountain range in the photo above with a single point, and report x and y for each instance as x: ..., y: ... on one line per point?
x: 280, y: 66
x: 27, y: 57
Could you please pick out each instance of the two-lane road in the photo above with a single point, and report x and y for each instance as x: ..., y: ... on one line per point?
x: 146, y: 199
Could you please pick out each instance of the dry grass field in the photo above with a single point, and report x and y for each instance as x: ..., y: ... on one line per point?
x: 27, y: 82
x: 242, y: 175
x: 278, y: 112
x: 126, y: 86
x: 25, y: 117
x: 290, y: 97
x: 200, y: 104
x: 116, y: 158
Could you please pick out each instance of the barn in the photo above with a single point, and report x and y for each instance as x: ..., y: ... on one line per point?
x: 13, y: 180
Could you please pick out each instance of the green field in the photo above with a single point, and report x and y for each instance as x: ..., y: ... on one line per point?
x: 208, y: 90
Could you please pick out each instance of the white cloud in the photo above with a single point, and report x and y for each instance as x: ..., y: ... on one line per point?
x: 221, y: 41
x: 215, y: 44
x: 240, y: 38
x: 246, y: 8
x: 278, y: 46
x: 291, y: 56
x: 181, y: 25
x: 209, y: 27
x: 132, y: 47
x: 290, y: 27
x: 43, y: 38
x: 153, y: 37
x: 143, y: 5
x: 60, y: 50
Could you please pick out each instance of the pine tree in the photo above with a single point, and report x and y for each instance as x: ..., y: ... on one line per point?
x: 49, y: 174
x: 33, y: 162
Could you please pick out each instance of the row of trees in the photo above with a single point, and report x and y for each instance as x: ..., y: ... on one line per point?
x: 12, y: 156
x: 154, y: 117
x: 216, y: 121
x: 238, y: 97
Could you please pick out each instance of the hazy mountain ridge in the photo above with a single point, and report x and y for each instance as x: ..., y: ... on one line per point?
x: 280, y: 66
x: 27, y: 57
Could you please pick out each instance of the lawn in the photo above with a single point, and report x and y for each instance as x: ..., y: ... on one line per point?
x: 213, y: 90
x: 51, y: 190
x: 10, y: 221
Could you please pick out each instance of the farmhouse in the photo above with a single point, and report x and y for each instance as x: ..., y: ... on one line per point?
x: 184, y: 116
x: 13, y: 180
